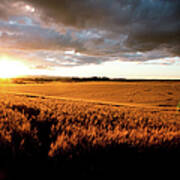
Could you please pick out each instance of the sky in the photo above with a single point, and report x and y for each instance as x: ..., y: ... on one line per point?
x: 113, y: 38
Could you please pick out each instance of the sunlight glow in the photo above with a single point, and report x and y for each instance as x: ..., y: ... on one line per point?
x: 10, y: 68
x: 29, y: 8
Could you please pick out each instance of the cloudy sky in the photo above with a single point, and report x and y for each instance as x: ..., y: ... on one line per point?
x: 114, y: 38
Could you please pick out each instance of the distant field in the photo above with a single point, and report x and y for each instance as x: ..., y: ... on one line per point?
x: 92, y: 129
x: 162, y: 94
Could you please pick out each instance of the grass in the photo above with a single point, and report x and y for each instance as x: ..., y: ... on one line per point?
x: 49, y: 137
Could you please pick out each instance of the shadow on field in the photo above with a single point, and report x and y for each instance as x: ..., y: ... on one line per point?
x: 109, y: 161
x: 31, y: 148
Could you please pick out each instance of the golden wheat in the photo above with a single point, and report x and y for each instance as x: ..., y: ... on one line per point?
x: 72, y: 123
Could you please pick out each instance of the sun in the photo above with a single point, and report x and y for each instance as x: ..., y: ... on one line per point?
x: 10, y: 68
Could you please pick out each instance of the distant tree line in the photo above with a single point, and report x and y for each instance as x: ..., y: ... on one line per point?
x: 44, y: 79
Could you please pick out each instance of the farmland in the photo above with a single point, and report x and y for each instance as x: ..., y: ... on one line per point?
x: 135, y: 93
x: 85, y: 129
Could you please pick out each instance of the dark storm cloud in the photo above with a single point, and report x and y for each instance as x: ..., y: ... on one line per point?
x: 24, y: 33
x: 101, y: 30
x: 149, y: 23
x: 28, y: 35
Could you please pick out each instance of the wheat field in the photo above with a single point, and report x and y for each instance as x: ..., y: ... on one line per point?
x: 149, y: 93
x: 86, y: 128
